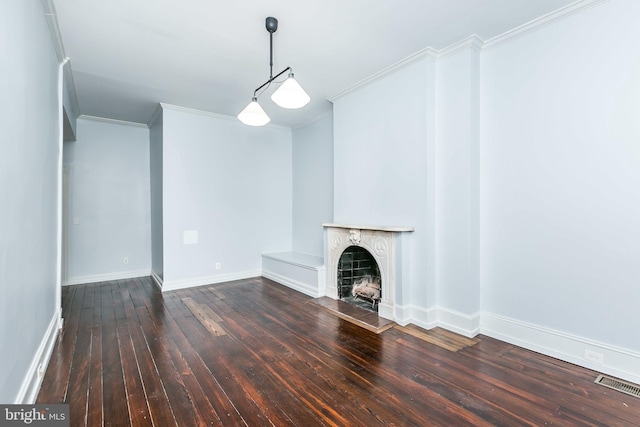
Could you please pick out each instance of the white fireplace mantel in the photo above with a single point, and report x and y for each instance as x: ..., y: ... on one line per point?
x: 383, y: 243
x: 369, y: 227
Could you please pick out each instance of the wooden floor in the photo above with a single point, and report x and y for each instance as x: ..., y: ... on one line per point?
x: 253, y: 353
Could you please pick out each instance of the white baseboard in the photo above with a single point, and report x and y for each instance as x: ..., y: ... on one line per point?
x: 460, y: 323
x: 174, y: 285
x: 618, y: 362
x: 423, y: 317
x: 429, y: 318
x: 402, y: 315
x: 292, y: 283
x: 81, y: 280
x: 31, y: 384
x: 157, y: 280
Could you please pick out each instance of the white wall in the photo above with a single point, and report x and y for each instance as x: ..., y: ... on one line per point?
x: 30, y: 108
x: 457, y: 185
x: 535, y: 169
x: 232, y: 184
x: 69, y: 106
x: 560, y: 172
x: 155, y: 172
x: 109, y: 196
x: 381, y: 137
x: 312, y: 184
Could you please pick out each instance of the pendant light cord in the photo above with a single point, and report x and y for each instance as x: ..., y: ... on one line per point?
x: 270, y: 56
x: 268, y: 82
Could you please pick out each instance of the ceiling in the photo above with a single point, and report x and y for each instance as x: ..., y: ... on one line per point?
x: 128, y: 55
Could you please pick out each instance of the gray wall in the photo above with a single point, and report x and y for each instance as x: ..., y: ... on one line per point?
x: 29, y: 182
x: 155, y: 147
x: 522, y: 159
x: 109, y: 198
x: 560, y: 172
x: 457, y: 183
x: 232, y: 184
x: 312, y: 184
x: 381, y: 138
x: 69, y: 104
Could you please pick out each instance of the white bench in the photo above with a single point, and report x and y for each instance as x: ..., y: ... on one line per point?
x: 303, y: 272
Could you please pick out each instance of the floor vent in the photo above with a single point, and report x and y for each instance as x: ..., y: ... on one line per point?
x: 625, y: 387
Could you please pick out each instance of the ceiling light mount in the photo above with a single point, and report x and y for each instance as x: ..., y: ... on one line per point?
x: 272, y: 24
x: 288, y: 95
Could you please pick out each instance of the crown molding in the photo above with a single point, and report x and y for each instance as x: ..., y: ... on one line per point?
x: 154, y: 116
x: 54, y: 28
x: 476, y: 43
x: 473, y: 41
x: 166, y: 106
x: 113, y: 121
x: 314, y: 120
x: 214, y: 115
x: 427, y: 52
x: 56, y: 38
x: 541, y: 22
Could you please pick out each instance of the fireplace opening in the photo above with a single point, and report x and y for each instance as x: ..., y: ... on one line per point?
x: 359, y: 281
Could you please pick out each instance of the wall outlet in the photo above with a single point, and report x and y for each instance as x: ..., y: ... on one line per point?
x: 40, y: 370
x: 125, y: 260
x: 76, y: 221
x: 594, y: 356
x: 218, y: 265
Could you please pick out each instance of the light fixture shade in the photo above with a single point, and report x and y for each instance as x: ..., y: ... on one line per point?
x: 253, y: 114
x: 290, y: 94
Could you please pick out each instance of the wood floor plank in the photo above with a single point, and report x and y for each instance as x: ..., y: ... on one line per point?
x: 156, y: 396
x: 94, y: 393
x: 357, y: 379
x: 215, y: 394
x: 275, y: 369
x: 54, y: 390
x: 130, y: 354
x: 114, y: 397
x: 79, y: 374
x: 139, y: 412
x: 179, y: 398
x: 214, y: 356
x: 206, y: 316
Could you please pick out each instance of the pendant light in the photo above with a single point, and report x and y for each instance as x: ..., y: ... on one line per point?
x: 288, y: 95
x: 253, y: 114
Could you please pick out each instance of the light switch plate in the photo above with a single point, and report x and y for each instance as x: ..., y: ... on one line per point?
x: 190, y: 237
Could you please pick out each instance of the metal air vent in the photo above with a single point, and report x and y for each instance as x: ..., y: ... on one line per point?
x: 624, y: 387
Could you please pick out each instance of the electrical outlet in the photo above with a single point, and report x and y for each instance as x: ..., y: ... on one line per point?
x: 218, y: 265
x: 40, y: 371
x: 125, y: 260
x: 76, y: 221
x: 594, y: 356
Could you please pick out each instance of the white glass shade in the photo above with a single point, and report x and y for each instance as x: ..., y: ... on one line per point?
x: 254, y: 115
x: 290, y: 94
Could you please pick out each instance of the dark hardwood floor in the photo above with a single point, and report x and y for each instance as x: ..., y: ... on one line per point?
x: 254, y: 353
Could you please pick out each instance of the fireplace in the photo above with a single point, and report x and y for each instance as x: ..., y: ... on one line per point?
x: 358, y: 278
x: 379, y: 249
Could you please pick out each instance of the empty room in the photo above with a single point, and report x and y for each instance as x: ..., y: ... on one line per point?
x: 270, y: 213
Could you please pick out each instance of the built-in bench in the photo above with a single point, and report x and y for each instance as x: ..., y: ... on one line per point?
x: 303, y: 272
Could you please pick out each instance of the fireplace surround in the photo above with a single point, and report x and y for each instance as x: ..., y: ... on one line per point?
x: 384, y: 245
